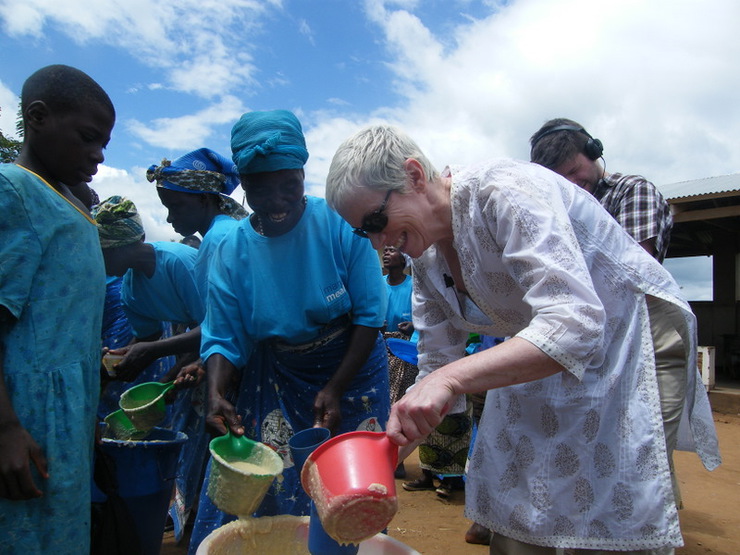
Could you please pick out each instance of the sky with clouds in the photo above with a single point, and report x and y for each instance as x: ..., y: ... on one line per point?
x: 655, y: 80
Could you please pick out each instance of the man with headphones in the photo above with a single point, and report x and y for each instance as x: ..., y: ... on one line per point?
x: 565, y: 147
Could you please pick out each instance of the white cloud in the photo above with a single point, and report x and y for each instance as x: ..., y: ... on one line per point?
x: 305, y: 29
x: 654, y: 80
x: 278, y: 80
x: 200, y: 47
x: 190, y: 131
x: 198, y: 43
x: 8, y: 111
x: 322, y: 139
x: 133, y: 185
x: 693, y: 275
x: 22, y: 18
x: 210, y: 74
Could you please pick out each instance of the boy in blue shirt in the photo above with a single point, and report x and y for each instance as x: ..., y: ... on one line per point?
x: 52, y: 289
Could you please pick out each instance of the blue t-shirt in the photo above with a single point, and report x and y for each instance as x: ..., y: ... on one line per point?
x: 289, y: 287
x: 170, y: 295
x: 220, y: 226
x: 399, y: 303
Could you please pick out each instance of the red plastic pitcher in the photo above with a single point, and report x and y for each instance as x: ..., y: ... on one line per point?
x: 350, y: 479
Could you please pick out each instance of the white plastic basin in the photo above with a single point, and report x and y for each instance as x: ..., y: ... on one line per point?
x: 283, y: 535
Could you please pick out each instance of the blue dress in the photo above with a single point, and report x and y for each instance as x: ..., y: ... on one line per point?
x: 270, y: 297
x: 52, y: 280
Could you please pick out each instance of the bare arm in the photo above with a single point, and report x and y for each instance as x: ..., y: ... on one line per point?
x: 17, y: 448
x: 326, y: 406
x: 649, y: 246
x: 221, y: 414
x: 141, y: 354
x: 422, y: 408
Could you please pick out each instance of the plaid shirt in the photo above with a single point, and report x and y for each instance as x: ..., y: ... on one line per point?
x: 639, y: 208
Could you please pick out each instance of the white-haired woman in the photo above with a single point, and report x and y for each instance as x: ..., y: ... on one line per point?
x: 571, y: 451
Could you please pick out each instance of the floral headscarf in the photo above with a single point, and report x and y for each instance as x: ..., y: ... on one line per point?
x: 119, y: 223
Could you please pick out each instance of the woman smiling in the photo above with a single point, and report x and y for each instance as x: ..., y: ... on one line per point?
x: 295, y: 305
x: 570, y: 451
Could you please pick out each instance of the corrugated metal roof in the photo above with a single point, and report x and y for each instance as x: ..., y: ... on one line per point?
x: 698, y: 187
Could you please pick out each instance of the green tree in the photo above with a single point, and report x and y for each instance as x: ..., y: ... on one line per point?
x: 9, y: 148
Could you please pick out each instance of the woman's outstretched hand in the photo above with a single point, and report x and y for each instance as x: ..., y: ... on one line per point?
x: 136, y: 358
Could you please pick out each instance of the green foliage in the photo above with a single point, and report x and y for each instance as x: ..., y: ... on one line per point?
x: 9, y: 148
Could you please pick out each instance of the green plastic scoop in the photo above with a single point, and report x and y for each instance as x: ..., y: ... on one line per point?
x: 144, y: 404
x: 242, y: 471
x: 122, y: 428
x: 231, y: 447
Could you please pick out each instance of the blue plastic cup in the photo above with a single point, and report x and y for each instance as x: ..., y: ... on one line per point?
x: 301, y: 446
x: 321, y: 543
x: 304, y: 442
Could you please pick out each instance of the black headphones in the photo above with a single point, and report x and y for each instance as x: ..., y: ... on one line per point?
x: 593, y: 147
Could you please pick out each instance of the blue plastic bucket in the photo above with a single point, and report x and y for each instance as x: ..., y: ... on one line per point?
x: 145, y: 471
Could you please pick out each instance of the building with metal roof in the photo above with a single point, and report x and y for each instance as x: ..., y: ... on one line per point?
x: 705, y: 212
x: 698, y: 187
x: 706, y: 222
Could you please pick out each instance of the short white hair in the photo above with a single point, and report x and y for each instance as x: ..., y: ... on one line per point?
x: 373, y: 158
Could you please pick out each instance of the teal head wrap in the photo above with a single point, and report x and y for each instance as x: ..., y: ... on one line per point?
x: 268, y: 142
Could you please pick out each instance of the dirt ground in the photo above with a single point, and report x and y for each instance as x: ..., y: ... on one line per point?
x: 710, y: 520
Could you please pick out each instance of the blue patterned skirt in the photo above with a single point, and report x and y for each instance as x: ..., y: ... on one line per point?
x: 275, y: 400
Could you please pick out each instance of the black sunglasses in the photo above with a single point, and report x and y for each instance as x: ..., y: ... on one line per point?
x: 374, y: 222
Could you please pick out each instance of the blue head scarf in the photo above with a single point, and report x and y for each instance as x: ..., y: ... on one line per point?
x: 201, y: 171
x: 268, y: 142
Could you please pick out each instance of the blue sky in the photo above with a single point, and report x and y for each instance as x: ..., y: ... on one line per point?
x: 655, y: 80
